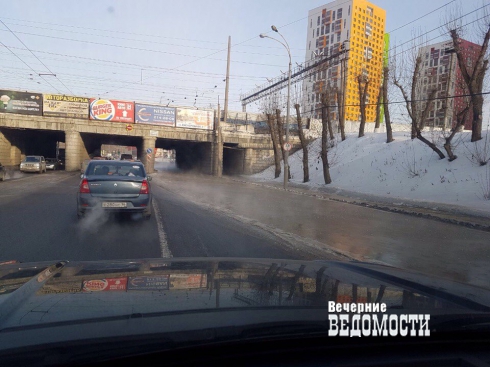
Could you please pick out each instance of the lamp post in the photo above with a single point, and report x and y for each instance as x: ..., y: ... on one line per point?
x: 286, y: 152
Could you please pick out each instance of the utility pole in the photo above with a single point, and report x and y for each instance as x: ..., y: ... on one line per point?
x: 218, y: 146
x: 227, y: 87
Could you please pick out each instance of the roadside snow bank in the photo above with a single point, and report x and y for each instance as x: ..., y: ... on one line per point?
x: 404, y: 169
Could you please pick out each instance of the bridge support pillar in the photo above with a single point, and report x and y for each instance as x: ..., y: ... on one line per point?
x: 217, y: 149
x: 5, y: 149
x: 207, y: 158
x: 148, y: 159
x: 248, y: 161
x: 11, y: 148
x: 75, y: 151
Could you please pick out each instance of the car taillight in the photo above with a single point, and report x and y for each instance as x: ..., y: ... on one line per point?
x: 84, y: 189
x: 144, y: 187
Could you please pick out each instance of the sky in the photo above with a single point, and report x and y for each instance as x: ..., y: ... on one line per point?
x: 172, y: 52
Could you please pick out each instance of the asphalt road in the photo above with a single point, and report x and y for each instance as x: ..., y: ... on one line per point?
x: 203, y: 216
x: 38, y: 222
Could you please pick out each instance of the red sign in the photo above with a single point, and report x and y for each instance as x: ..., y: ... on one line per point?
x: 9, y: 262
x: 110, y: 110
x: 129, y: 127
x: 109, y: 284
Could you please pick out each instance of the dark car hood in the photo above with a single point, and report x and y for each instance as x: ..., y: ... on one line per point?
x: 42, y: 302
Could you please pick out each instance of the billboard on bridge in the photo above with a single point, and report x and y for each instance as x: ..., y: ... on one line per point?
x: 111, y: 110
x: 24, y: 103
x: 154, y: 115
x: 58, y: 105
x: 195, y: 119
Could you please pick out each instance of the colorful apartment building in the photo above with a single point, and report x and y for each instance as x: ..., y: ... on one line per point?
x: 440, y: 70
x: 351, y: 36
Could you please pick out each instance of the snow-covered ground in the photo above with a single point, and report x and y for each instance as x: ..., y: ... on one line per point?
x: 404, y: 169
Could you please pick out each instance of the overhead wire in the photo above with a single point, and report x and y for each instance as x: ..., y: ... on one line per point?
x: 17, y: 37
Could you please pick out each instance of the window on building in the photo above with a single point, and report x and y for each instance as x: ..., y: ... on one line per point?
x: 339, y: 13
x: 348, y: 10
x: 317, y: 32
x: 338, y: 37
x: 331, y: 38
x: 311, y: 23
x: 323, y: 31
x: 309, y: 46
x: 347, y: 34
x: 318, y: 21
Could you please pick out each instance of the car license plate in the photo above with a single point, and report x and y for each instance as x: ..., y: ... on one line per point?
x: 109, y: 204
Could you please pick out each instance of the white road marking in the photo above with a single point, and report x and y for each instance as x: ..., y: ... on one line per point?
x: 165, y: 251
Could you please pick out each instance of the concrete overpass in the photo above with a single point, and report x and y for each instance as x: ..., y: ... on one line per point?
x: 243, y: 151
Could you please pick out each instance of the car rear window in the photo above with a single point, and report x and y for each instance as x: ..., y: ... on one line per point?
x: 115, y: 169
x: 31, y: 159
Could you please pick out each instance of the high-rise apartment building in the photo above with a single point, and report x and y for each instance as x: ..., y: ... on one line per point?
x: 439, y: 70
x: 350, y: 35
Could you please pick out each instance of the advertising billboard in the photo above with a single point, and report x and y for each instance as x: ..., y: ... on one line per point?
x: 108, y: 284
x: 65, y: 106
x: 188, y: 281
x: 24, y: 103
x: 111, y: 110
x: 154, y: 115
x: 195, y: 119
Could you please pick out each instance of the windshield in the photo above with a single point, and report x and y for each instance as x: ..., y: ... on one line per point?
x: 337, y: 131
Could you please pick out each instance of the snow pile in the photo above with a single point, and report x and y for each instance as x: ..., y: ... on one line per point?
x: 405, y: 169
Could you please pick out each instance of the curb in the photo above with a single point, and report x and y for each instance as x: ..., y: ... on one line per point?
x: 473, y: 222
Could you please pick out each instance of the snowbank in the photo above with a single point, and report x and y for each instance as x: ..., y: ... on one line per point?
x: 404, y: 169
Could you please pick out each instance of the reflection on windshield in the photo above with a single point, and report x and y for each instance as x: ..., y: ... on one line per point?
x: 226, y: 284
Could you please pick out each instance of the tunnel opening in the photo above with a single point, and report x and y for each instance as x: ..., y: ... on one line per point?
x: 112, y: 146
x: 233, y: 160
x: 189, y: 156
x: 15, y: 144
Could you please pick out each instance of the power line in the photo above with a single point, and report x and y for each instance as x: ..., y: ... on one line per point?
x: 144, y: 40
x: 35, y: 56
x: 146, y: 67
x: 13, y: 53
x: 408, y: 101
x: 423, y: 16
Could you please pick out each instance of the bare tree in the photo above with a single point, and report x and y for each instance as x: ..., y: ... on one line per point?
x: 460, y: 119
x: 304, y: 144
x: 341, y: 108
x: 378, y: 108
x: 473, y: 73
x: 326, y: 127
x: 275, y: 144
x: 389, y: 131
x: 280, y: 131
x: 330, y: 100
x: 363, y: 84
x: 418, y: 110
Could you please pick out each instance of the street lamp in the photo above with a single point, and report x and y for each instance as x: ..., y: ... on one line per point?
x: 286, y: 152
